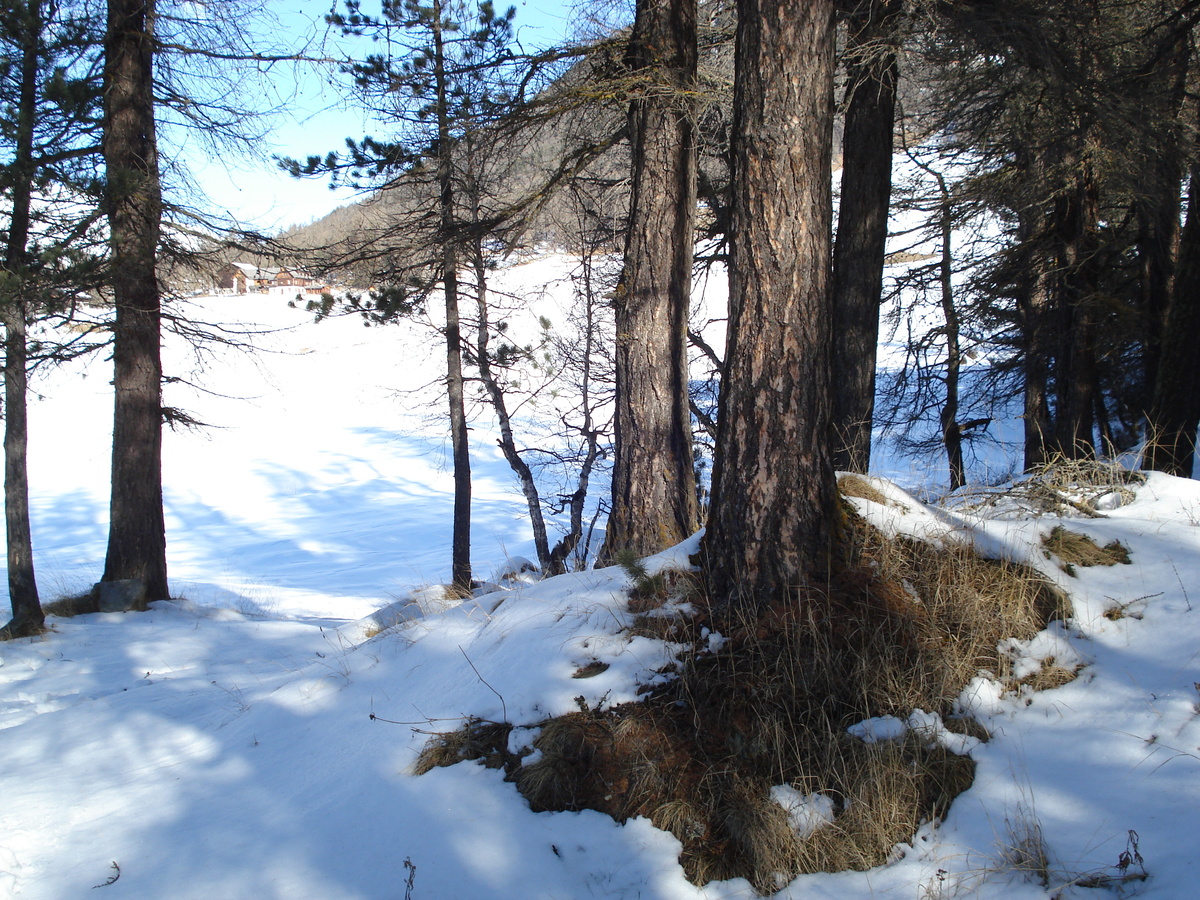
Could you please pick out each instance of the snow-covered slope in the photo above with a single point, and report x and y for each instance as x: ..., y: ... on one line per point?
x: 223, y: 745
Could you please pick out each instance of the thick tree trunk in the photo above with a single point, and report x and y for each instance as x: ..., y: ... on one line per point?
x: 1075, y: 406
x: 654, y: 489
x: 137, y: 533
x: 859, y: 250
x: 1175, y: 413
x: 1158, y: 234
x: 1035, y: 298
x: 27, y: 615
x: 22, y: 585
x: 460, y: 562
x: 775, y: 516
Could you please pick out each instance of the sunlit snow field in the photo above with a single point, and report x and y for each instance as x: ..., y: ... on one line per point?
x: 223, y: 746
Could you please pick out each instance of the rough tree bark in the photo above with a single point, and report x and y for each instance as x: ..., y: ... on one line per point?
x: 774, y: 517
x: 654, y: 502
x: 859, y: 250
x: 1033, y: 306
x: 137, y: 533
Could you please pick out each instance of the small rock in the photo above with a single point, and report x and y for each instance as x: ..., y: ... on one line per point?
x: 121, y: 596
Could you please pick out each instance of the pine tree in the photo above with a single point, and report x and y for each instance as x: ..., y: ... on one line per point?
x: 441, y: 77
x: 137, y: 546
x: 1069, y: 114
x: 50, y: 95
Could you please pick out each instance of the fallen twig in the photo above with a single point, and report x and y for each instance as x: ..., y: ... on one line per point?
x: 111, y: 878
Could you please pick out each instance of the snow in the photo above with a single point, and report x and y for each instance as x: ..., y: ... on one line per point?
x: 806, y: 812
x: 926, y: 725
x: 255, y: 737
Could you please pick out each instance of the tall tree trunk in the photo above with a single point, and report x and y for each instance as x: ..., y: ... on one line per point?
x: 1077, y: 215
x: 27, y: 615
x: 1158, y: 232
x: 858, y: 253
x: 460, y: 553
x: 654, y: 489
x: 1175, y: 413
x: 22, y: 584
x: 137, y: 546
x: 587, y: 428
x: 1158, y: 208
x: 774, y: 517
x: 1034, y: 298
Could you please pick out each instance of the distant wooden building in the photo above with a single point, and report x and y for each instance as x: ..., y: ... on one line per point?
x: 238, y: 277
x: 290, y: 278
x: 241, y: 277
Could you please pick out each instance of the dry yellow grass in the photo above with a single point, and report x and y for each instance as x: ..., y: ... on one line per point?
x: 904, y: 626
x: 857, y: 486
x: 1076, y: 549
x: 67, y: 607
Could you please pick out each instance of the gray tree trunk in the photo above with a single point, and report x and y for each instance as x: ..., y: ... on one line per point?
x: 952, y: 437
x: 507, y: 442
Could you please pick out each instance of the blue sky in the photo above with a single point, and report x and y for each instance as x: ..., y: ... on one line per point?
x: 317, y: 120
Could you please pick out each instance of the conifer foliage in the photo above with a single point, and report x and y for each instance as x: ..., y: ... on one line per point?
x: 439, y: 79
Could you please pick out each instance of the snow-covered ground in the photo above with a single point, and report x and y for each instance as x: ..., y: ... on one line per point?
x: 223, y: 745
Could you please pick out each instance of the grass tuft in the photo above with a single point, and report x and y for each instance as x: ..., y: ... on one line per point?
x: 477, y: 739
x: 78, y: 605
x: 1076, y: 549
x: 858, y: 486
x: 1050, y: 676
x: 1023, y: 848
